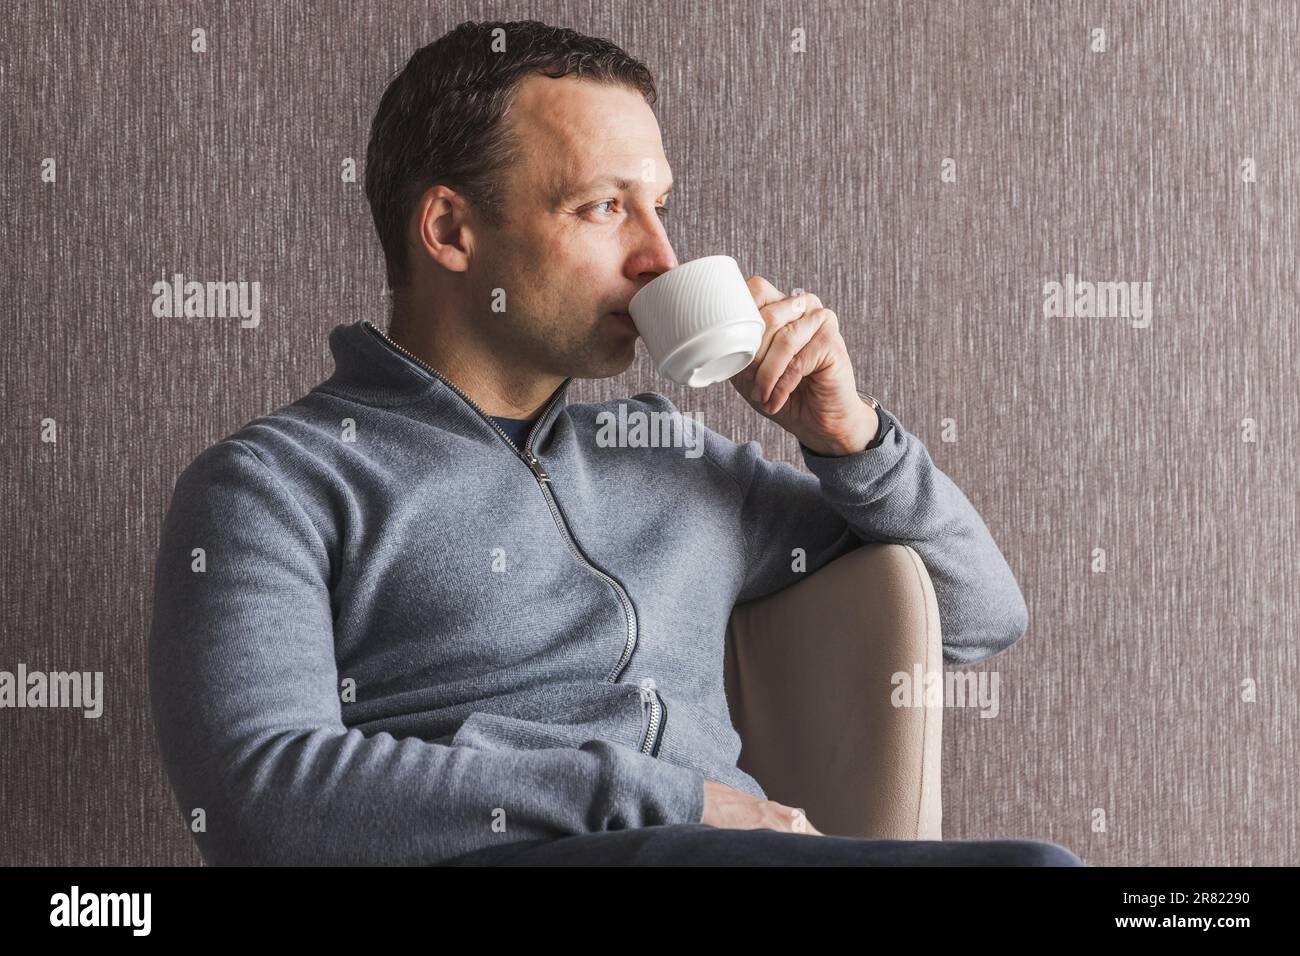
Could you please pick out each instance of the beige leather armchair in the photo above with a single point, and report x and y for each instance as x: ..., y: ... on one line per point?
x: 808, y: 682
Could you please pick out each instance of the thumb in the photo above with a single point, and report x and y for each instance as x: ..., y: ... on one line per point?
x: 801, y: 823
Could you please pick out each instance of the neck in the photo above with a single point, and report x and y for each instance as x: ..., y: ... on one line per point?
x: 498, y: 387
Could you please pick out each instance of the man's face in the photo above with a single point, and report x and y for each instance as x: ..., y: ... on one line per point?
x: 576, y: 244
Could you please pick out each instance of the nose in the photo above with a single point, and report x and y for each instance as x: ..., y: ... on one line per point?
x: 652, y: 254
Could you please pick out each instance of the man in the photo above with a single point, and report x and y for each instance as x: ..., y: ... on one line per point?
x: 422, y: 615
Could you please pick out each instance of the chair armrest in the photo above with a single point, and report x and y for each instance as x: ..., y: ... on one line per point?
x: 809, y: 681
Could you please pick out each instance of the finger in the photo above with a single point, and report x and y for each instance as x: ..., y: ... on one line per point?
x: 775, y: 309
x: 763, y: 291
x: 787, y: 383
x: 786, y: 342
x: 776, y: 316
x: 777, y: 816
x: 807, y: 361
x: 801, y: 823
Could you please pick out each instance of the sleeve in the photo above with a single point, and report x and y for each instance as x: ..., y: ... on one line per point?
x: 893, y: 493
x: 246, y: 704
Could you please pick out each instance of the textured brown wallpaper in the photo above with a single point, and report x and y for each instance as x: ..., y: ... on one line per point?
x: 928, y: 169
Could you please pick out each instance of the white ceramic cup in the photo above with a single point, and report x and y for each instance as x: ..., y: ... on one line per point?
x: 699, y: 321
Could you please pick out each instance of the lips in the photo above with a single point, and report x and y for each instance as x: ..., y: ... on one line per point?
x: 624, y: 319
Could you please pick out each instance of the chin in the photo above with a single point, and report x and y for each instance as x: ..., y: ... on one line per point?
x: 611, y: 363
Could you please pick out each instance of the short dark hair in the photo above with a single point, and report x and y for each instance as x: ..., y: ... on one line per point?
x: 440, y: 119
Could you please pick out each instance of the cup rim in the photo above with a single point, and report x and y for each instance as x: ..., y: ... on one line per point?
x: 683, y: 265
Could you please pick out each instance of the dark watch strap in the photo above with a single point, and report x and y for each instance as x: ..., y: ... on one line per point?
x: 880, y: 419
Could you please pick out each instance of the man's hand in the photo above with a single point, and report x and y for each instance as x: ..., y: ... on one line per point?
x: 801, y: 377
x: 732, y: 809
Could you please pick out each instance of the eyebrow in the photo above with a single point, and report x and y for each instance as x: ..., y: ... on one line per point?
x: 619, y: 182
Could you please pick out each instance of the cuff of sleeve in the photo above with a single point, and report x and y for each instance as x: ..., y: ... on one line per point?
x: 868, y: 465
x: 649, y: 790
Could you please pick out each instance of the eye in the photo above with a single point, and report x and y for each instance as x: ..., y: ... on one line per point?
x: 662, y: 211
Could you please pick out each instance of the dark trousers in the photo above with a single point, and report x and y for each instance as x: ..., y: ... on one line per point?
x: 697, y: 844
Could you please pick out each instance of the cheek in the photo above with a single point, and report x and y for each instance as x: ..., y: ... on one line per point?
x: 570, y: 274
x: 590, y: 276
x: 586, y: 282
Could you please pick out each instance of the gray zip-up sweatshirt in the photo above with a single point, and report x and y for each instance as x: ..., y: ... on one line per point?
x: 383, y: 633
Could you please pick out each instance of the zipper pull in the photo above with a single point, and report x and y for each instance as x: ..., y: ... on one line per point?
x: 536, y: 466
x: 647, y: 689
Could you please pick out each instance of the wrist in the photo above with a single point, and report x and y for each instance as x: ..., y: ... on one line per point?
x: 863, y: 434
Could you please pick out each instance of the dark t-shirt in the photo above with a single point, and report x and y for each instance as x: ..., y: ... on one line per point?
x: 516, y: 428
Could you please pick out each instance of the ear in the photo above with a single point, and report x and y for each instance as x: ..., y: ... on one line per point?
x: 440, y: 229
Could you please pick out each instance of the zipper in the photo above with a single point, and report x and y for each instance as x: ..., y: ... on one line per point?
x: 654, y: 730
x: 543, y: 482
